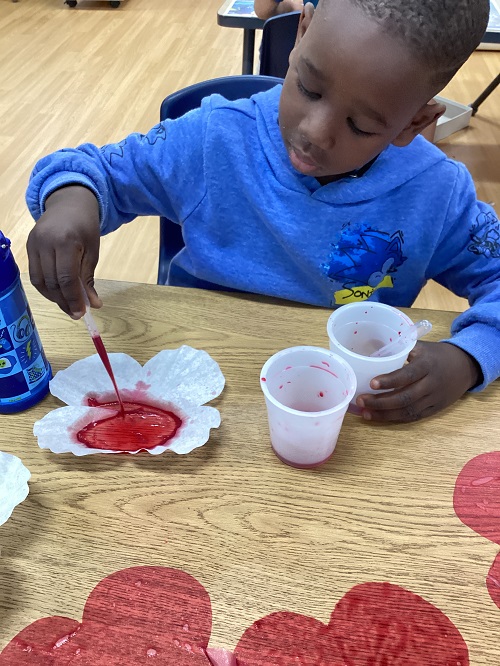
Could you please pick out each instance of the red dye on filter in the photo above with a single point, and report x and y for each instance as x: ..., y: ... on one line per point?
x: 103, y: 354
x: 141, y: 426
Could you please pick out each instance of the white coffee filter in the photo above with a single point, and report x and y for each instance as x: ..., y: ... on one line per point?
x: 179, y: 380
x: 14, y: 489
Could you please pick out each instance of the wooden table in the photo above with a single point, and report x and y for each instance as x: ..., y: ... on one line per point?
x: 260, y: 536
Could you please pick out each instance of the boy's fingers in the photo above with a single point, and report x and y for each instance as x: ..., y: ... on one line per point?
x: 87, y: 277
x: 51, y: 288
x: 93, y: 296
x: 407, y: 388
x: 36, y: 273
x: 394, y: 400
x: 69, y: 285
x: 412, y: 412
x: 408, y: 374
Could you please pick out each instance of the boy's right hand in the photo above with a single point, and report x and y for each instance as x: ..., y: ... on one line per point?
x: 63, y: 249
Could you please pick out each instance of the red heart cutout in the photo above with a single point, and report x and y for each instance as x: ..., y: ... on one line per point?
x: 374, y: 623
x: 493, y: 580
x: 130, y: 618
x: 36, y: 644
x: 154, y: 615
x: 477, y: 495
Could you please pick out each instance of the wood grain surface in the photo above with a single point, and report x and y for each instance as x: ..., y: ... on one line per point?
x: 260, y: 536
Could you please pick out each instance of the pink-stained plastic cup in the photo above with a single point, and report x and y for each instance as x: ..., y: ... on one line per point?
x: 307, y: 392
x: 359, y: 329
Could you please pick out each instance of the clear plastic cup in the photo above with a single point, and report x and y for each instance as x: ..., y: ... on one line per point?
x: 359, y: 329
x: 307, y: 392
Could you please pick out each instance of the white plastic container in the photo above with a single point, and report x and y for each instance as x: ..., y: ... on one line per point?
x: 359, y: 329
x: 307, y: 392
x: 456, y: 117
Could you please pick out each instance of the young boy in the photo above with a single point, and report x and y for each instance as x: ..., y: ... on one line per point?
x: 321, y: 192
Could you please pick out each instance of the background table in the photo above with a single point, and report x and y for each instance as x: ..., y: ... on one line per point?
x: 260, y: 536
x: 491, y: 40
x: 240, y: 14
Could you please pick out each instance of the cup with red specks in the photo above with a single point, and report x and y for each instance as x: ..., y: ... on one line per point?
x: 358, y: 330
x: 307, y: 392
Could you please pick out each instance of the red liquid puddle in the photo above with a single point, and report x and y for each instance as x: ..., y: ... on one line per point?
x: 140, y: 427
x: 101, y: 350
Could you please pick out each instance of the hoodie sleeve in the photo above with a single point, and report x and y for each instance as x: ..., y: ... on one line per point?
x: 467, y: 262
x: 159, y: 173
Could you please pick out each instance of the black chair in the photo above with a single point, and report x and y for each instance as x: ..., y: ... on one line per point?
x: 278, y: 39
x: 176, y: 105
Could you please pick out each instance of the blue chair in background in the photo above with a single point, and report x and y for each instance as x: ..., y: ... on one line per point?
x: 278, y: 39
x: 176, y: 105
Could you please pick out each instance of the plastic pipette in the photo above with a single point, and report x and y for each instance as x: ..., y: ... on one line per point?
x: 89, y: 319
x: 414, y: 332
x: 99, y: 345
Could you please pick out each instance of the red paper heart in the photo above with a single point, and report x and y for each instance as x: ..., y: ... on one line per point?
x: 374, y: 623
x: 159, y: 617
x: 143, y: 615
x: 36, y: 645
x: 493, y: 580
x: 477, y: 495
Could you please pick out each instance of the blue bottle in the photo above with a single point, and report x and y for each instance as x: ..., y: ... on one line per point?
x: 24, y: 370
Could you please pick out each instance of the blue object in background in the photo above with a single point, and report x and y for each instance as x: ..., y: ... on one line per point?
x: 24, y: 370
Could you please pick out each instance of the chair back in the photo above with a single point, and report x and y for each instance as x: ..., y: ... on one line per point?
x: 176, y: 105
x: 278, y: 39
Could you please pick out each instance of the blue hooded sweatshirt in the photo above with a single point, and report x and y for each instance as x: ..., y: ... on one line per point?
x: 251, y: 222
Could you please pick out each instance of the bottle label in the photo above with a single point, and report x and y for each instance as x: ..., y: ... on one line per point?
x: 23, y: 365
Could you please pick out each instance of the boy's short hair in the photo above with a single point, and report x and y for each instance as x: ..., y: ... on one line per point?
x: 442, y: 34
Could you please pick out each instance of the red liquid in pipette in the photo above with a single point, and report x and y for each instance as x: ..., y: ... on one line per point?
x: 101, y: 350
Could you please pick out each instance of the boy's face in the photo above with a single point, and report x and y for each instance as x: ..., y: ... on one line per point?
x: 350, y: 91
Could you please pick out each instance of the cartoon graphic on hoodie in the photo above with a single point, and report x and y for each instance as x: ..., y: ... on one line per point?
x: 362, y: 261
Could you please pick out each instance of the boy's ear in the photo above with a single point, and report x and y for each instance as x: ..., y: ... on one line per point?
x: 304, y: 21
x: 425, y: 116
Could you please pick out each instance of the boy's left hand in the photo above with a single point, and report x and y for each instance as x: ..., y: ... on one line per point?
x: 437, y: 374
